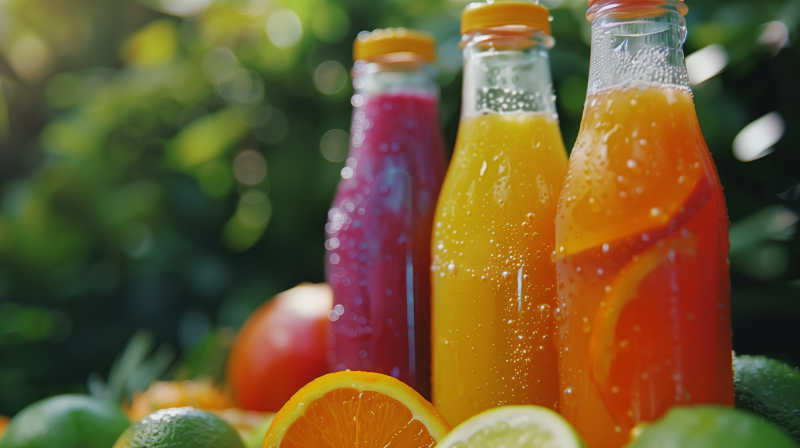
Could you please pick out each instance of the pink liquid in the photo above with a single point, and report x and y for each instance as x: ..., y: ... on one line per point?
x: 378, y: 239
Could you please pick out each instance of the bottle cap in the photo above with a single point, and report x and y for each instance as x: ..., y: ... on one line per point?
x: 391, y: 41
x: 490, y: 15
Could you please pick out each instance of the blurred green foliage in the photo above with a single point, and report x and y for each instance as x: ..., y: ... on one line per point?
x: 168, y: 165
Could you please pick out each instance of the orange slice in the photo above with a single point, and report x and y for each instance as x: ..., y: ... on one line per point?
x: 668, y: 257
x: 356, y: 409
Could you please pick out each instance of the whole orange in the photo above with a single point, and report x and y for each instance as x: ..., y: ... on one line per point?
x: 199, y: 394
x: 280, y: 348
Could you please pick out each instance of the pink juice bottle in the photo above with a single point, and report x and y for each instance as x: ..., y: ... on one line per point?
x: 379, y: 227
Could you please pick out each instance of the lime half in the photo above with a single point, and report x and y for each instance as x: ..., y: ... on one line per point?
x: 513, y: 427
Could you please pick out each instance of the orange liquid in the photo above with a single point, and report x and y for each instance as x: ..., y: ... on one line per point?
x: 644, y: 295
x: 494, y: 284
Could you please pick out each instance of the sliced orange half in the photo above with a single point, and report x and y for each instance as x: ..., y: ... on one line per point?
x: 356, y: 409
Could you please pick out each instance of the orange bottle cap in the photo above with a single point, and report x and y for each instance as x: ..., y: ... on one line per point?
x: 502, y: 13
x: 391, y: 41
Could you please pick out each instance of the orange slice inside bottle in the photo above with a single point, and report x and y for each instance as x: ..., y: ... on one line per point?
x: 650, y: 320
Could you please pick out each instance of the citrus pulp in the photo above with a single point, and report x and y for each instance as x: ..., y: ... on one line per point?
x: 348, y: 409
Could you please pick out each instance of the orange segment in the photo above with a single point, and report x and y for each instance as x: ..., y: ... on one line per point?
x: 602, y: 344
x: 624, y: 361
x: 620, y: 183
x: 350, y: 409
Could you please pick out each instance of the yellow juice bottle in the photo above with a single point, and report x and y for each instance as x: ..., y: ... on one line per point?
x: 493, y: 280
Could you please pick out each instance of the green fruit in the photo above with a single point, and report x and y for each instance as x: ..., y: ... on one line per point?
x: 711, y: 427
x: 66, y: 421
x: 769, y: 388
x: 180, y: 428
x: 256, y: 437
x: 513, y: 427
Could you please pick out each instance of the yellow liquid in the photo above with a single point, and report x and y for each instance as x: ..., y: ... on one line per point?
x: 493, y: 280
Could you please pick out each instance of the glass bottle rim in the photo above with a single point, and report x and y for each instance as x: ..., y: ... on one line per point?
x: 634, y: 8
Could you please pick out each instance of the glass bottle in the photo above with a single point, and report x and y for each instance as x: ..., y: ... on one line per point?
x: 378, y: 233
x: 494, y: 283
x: 642, y: 236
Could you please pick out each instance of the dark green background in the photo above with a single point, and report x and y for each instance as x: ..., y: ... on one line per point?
x: 106, y: 227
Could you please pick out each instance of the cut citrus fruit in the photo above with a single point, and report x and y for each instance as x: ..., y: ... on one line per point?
x: 525, y: 426
x: 658, y: 323
x: 630, y: 340
x: 626, y: 289
x: 348, y: 409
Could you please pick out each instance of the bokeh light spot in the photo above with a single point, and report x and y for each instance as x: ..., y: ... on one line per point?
x: 153, y: 45
x: 30, y: 57
x: 334, y: 145
x: 330, y: 77
x: 250, y: 167
x: 247, y: 225
x: 757, y: 138
x: 220, y: 64
x: 244, y: 86
x: 706, y: 63
x: 184, y: 8
x: 255, y: 7
x: 775, y: 36
x: 254, y: 208
x: 207, y: 137
x: 284, y: 28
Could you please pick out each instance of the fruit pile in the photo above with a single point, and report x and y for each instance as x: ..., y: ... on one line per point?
x: 277, y: 364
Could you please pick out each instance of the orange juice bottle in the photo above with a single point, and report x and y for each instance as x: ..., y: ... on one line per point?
x: 493, y: 280
x: 641, y: 234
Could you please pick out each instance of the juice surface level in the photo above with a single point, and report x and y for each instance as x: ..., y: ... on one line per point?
x: 494, y: 285
x: 378, y: 239
x: 644, y: 308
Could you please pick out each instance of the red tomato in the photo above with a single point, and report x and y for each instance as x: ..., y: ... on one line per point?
x: 280, y: 348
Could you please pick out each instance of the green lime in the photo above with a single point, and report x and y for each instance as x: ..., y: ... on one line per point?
x: 66, y: 421
x: 256, y: 437
x: 769, y: 388
x: 512, y: 427
x: 180, y: 428
x: 711, y: 427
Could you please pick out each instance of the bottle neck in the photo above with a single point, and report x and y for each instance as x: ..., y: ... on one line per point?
x: 410, y: 76
x: 507, y: 71
x: 637, y: 42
